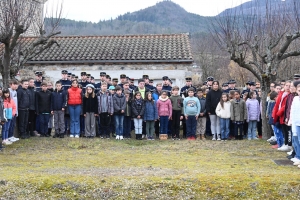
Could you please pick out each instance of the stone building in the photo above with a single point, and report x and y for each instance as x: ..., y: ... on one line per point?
x: 133, y: 55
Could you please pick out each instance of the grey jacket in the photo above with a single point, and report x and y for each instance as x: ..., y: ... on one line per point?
x: 119, y: 103
x: 109, y: 102
x: 238, y: 110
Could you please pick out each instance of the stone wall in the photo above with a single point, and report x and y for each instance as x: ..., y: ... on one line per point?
x: 177, y: 72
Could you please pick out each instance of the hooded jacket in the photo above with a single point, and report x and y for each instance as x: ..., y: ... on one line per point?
x: 238, y: 110
x: 253, y: 110
x: 137, y: 108
x: 278, y: 112
x: 109, y: 102
x: 151, y: 113
x: 224, y: 112
x: 119, y: 103
x: 10, y: 105
x: 164, y: 107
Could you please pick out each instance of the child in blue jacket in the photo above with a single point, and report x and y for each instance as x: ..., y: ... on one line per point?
x: 150, y: 115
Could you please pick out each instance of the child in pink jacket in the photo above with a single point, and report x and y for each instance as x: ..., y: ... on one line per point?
x: 164, y: 108
x: 9, y: 112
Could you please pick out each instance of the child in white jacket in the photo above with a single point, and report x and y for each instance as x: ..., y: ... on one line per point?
x: 223, y: 111
x: 295, y: 122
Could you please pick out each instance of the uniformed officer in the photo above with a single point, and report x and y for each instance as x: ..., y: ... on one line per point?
x: 209, y: 82
x: 151, y: 88
x: 108, y: 79
x: 151, y: 82
x: 84, y: 81
x: 76, y: 78
x: 70, y: 76
x: 224, y: 86
x: 103, y: 78
x: 247, y: 88
x: 66, y: 84
x: 38, y: 80
x: 188, y: 84
x: 88, y: 78
x: 296, y: 77
x: 122, y: 80
x: 131, y: 83
x: 93, y: 80
x: 115, y: 82
x: 231, y: 86
x: 166, y: 86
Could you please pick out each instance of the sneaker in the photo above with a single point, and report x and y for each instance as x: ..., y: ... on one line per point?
x: 121, y: 137
x: 297, y: 163
x: 298, y: 166
x: 71, y: 136
x: 290, y: 152
x: 11, y: 139
x: 284, y: 148
x: 275, y: 146
x: 76, y: 136
x: 117, y: 137
x: 256, y: 138
x: 273, y: 138
x: 213, y: 138
x: 6, y: 142
x: 295, y: 159
x: 219, y: 139
x: 249, y: 138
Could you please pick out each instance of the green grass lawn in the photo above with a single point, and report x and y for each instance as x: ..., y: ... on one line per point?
x: 47, y: 168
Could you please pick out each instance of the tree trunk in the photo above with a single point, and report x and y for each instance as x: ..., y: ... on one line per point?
x: 5, y: 72
x: 266, y: 130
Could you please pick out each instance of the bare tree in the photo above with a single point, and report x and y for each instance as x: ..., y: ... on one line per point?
x: 259, y: 39
x: 16, y: 19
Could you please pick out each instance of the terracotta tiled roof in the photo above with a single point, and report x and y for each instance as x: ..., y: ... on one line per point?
x: 123, y: 48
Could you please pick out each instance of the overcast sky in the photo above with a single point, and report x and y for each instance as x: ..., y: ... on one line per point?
x: 95, y: 10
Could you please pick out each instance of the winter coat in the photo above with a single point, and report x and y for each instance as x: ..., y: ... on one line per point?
x: 127, y: 112
x: 119, y: 104
x: 288, y: 105
x: 24, y: 99
x: 90, y: 104
x: 74, y: 96
x: 43, y: 102
x: 295, y: 114
x: 213, y: 97
x: 137, y: 109
x: 32, y: 92
x: 10, y: 104
x: 164, y: 107
x: 224, y: 112
x: 109, y: 102
x: 270, y: 108
x: 150, y: 113
x: 191, y: 106
x: 2, y: 115
x: 14, y: 96
x: 203, y: 105
x: 253, y: 110
x: 238, y: 110
x: 58, y: 100
x: 177, y: 102
x: 278, y: 113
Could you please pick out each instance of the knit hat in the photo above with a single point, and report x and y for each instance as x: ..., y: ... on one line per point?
x: 111, y: 87
x: 90, y: 85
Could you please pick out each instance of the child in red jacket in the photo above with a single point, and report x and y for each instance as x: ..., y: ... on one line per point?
x: 279, y: 111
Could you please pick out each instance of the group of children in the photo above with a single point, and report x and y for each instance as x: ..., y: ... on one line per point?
x: 152, y: 112
x: 284, y: 118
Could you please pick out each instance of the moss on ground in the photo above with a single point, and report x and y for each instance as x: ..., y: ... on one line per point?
x: 46, y: 168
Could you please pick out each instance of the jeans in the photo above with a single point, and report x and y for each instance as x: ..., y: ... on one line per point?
x: 224, y: 128
x: 5, y: 129
x: 127, y: 126
x: 164, y: 120
x: 44, y: 120
x: 150, y: 129
x: 252, y: 129
x: 278, y: 134
x: 296, y: 142
x: 138, y: 125
x: 215, y: 125
x: 191, y: 124
x: 12, y: 127
x: 238, y: 129
x: 296, y: 146
x: 119, y: 120
x: 75, y: 119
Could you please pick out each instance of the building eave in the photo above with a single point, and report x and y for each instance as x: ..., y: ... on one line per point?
x: 108, y: 62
